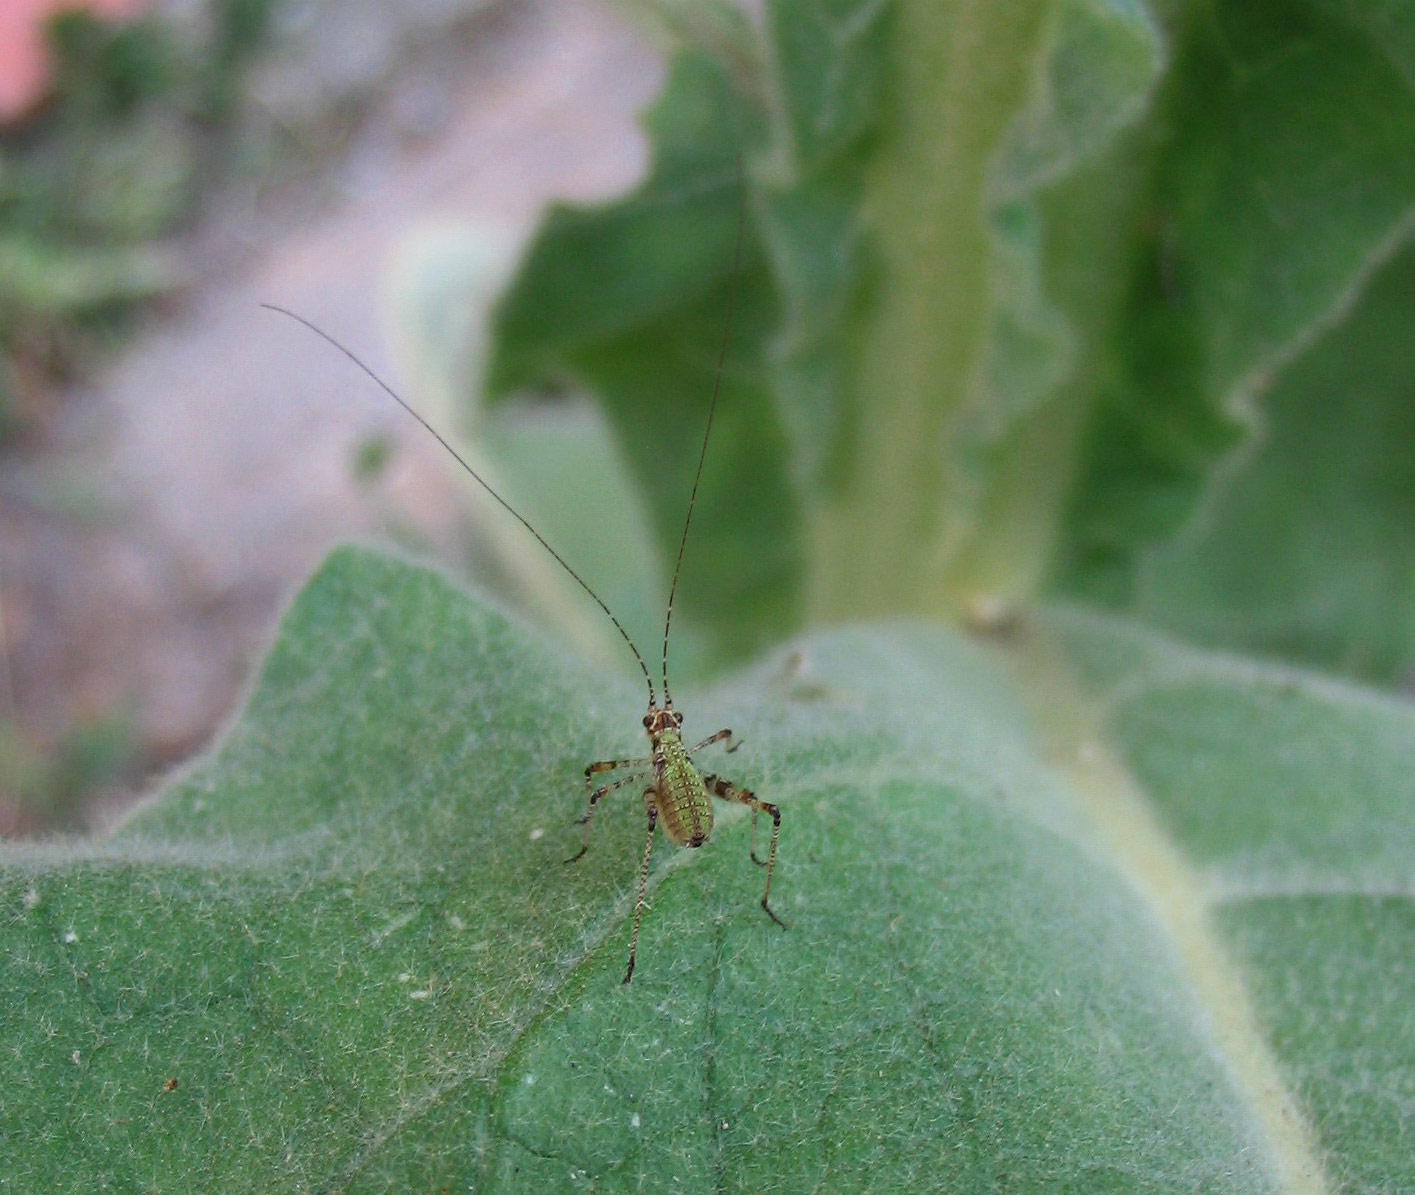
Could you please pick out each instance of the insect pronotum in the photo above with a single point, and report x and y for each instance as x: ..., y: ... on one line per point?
x: 676, y: 791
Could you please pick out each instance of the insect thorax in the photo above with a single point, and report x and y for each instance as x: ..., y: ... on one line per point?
x: 684, y: 808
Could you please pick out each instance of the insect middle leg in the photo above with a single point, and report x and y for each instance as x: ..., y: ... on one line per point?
x: 744, y: 796
x: 605, y: 766
x: 643, y: 882
x: 732, y: 744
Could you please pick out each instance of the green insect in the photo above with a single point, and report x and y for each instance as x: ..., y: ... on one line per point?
x: 676, y: 792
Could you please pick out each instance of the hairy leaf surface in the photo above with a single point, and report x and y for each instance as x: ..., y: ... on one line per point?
x: 345, y: 954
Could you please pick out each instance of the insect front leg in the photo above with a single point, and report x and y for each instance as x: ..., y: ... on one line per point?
x: 732, y: 744
x: 613, y: 765
x: 643, y: 882
x: 605, y: 766
x: 744, y: 796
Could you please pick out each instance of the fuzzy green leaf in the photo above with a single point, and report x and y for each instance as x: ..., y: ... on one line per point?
x: 344, y: 954
x: 351, y: 942
x: 1291, y: 797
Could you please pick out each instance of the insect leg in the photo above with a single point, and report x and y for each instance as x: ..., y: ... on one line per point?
x: 610, y: 765
x: 732, y: 744
x: 594, y: 800
x: 643, y: 883
x: 744, y: 796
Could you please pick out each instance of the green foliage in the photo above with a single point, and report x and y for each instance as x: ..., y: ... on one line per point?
x: 1059, y: 297
x: 1282, y: 184
x: 1306, y: 550
x: 893, y: 340
x: 634, y: 301
x: 1086, y: 298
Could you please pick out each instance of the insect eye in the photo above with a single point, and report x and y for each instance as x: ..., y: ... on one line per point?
x: 648, y: 720
x: 677, y: 719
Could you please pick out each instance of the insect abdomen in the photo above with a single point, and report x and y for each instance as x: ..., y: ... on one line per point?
x: 684, y: 810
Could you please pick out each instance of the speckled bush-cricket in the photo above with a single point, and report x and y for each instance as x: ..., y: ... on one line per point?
x: 676, y: 791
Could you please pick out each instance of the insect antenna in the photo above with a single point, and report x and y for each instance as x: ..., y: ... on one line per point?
x: 712, y: 410
x: 481, y: 481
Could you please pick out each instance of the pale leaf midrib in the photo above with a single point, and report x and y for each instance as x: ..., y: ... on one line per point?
x: 961, y: 68
x: 1072, y: 726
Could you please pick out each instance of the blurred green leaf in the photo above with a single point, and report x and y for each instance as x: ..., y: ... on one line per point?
x: 50, y: 788
x: 562, y: 466
x: 38, y: 281
x: 106, y: 68
x: 1306, y: 547
x: 350, y: 939
x: 1282, y: 176
x: 1025, y: 290
x: 634, y: 300
x: 892, y: 330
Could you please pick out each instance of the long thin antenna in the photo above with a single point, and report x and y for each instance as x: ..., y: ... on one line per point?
x: 712, y: 410
x: 477, y: 477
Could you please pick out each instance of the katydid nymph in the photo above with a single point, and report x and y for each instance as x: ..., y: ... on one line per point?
x: 676, y: 792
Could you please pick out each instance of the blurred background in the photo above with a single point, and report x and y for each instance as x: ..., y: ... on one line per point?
x: 175, y: 460
x: 1075, y: 300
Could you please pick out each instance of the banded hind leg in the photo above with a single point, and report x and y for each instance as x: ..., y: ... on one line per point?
x: 728, y: 791
x: 605, y: 765
x: 643, y: 882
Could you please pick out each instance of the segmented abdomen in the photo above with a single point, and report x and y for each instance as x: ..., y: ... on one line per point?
x: 684, y: 810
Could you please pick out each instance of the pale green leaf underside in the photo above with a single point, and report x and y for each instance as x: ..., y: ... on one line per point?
x: 351, y: 940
